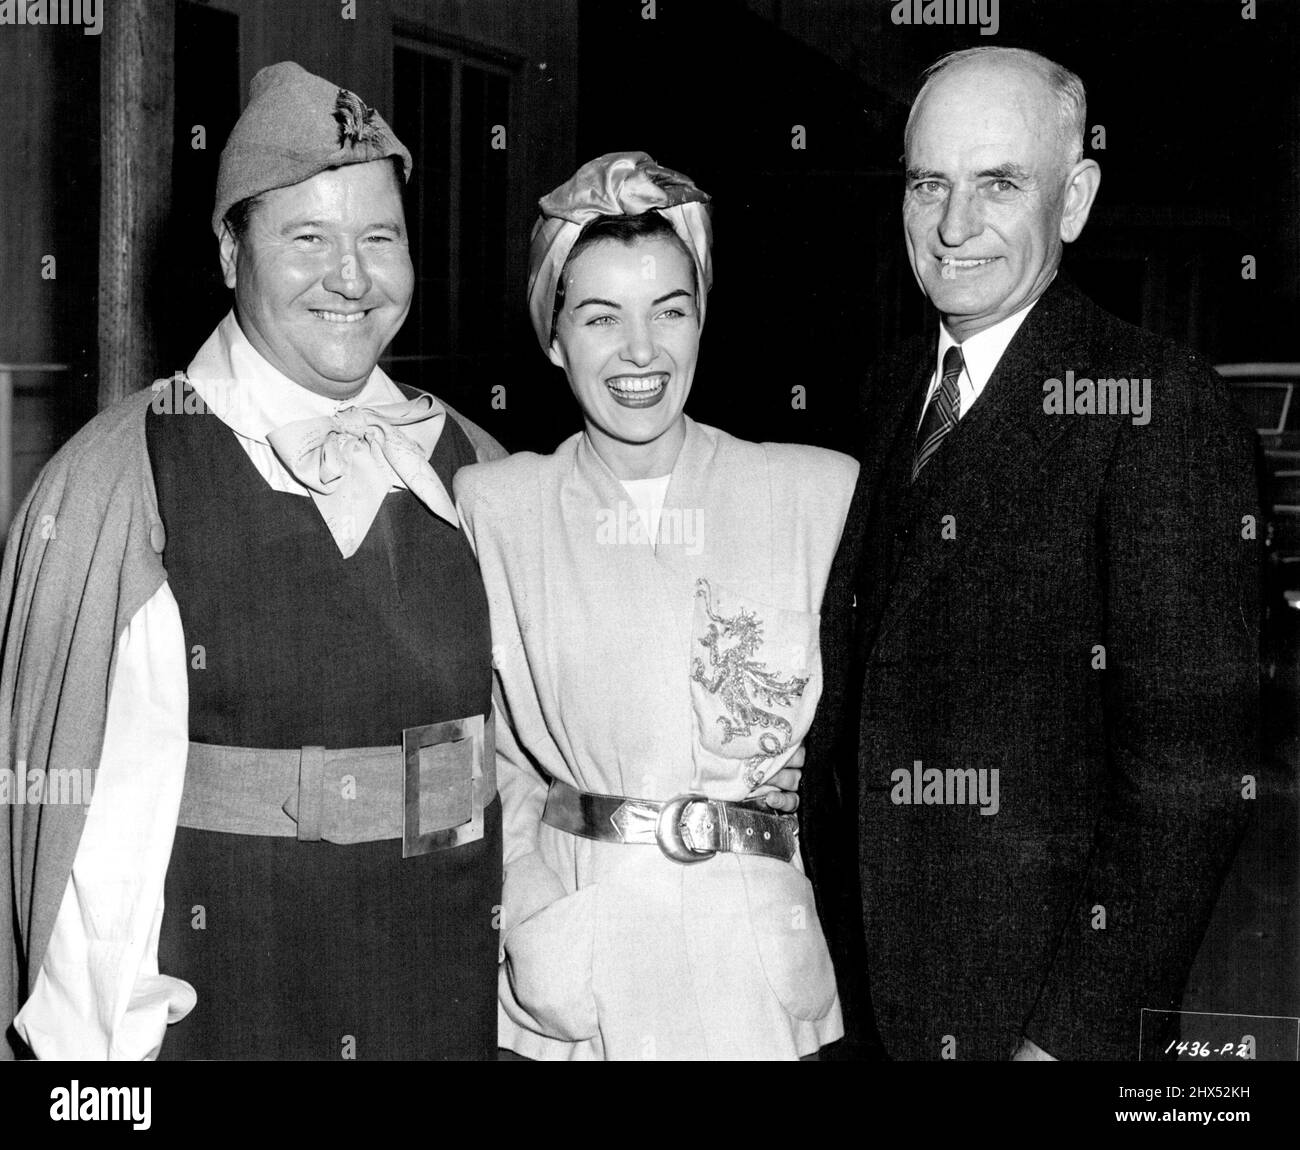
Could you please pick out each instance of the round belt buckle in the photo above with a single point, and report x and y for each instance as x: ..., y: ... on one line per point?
x: 668, y: 831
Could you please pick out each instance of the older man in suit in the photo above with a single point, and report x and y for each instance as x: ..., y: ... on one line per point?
x: 1026, y: 779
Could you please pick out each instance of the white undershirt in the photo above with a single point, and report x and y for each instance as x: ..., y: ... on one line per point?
x: 647, y: 497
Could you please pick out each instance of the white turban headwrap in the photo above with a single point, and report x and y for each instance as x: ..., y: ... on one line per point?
x: 616, y: 184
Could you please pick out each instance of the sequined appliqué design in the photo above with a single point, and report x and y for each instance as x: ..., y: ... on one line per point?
x: 738, y: 680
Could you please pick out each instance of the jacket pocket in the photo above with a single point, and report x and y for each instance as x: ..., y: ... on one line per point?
x: 548, y: 968
x: 791, y: 946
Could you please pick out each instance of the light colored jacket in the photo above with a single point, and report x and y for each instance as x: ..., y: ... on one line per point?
x: 649, y: 671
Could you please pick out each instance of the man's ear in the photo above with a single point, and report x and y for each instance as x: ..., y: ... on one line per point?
x: 554, y: 354
x: 1080, y: 190
x: 229, y: 254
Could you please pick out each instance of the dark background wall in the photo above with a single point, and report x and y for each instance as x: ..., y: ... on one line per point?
x: 1201, y: 111
x: 1201, y: 166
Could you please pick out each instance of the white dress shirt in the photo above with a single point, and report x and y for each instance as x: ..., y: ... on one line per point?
x: 99, y: 993
x: 980, y: 355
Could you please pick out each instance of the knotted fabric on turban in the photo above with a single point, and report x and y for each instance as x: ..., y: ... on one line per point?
x: 617, y: 184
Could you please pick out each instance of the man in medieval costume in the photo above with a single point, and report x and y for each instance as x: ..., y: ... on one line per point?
x: 241, y: 603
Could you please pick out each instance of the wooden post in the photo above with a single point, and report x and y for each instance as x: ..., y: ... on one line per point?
x: 6, y: 444
x: 136, y: 112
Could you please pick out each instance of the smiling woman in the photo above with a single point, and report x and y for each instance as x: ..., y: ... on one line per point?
x: 658, y: 681
x: 627, y: 333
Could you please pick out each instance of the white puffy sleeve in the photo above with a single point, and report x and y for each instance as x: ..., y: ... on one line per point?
x: 99, y: 994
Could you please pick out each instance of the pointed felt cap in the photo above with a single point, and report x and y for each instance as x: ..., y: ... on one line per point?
x: 295, y: 126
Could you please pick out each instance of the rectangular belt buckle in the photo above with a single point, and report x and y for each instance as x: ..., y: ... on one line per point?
x: 479, y: 736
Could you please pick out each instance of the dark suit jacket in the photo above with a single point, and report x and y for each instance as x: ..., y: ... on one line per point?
x: 1084, y: 898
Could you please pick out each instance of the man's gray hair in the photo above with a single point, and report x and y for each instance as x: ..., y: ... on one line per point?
x: 1071, y: 99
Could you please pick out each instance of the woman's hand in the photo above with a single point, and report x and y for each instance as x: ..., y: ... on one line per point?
x: 786, y: 799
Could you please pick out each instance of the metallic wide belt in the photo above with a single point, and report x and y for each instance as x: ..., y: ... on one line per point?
x: 688, y: 829
x: 430, y: 792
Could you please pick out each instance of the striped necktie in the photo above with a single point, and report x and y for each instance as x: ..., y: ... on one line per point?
x: 941, y: 413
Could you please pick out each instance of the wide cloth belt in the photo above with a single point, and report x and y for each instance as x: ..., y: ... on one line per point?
x: 688, y: 829
x: 430, y: 791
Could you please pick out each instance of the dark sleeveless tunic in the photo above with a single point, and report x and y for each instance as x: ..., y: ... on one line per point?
x: 312, y: 950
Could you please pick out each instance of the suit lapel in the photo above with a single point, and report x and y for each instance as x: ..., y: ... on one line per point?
x: 900, y: 407
x: 893, y: 410
x: 994, y: 454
